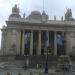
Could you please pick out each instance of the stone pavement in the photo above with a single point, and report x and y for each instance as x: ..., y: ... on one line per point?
x: 16, y: 68
x: 17, y: 71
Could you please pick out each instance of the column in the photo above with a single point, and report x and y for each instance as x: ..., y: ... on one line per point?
x: 47, y: 38
x: 23, y: 43
x: 67, y: 43
x: 31, y: 43
x: 47, y: 42
x: 39, y: 43
x: 55, y: 44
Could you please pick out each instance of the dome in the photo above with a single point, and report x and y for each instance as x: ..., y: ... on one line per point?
x: 34, y: 15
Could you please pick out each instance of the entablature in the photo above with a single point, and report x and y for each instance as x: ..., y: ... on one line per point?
x: 41, y: 28
x: 39, y: 22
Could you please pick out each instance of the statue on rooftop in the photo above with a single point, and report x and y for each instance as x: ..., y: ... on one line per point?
x: 15, y: 12
x: 24, y: 15
x: 15, y: 9
x: 68, y: 15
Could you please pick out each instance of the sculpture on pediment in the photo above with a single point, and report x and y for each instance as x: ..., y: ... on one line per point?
x: 68, y: 15
x: 44, y: 16
x: 15, y: 12
x: 24, y: 15
x: 62, y: 18
x: 15, y: 9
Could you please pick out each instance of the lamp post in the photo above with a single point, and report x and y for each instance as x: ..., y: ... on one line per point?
x: 46, y: 64
x: 47, y: 45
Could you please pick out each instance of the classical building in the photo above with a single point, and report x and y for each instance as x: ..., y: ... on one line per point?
x: 36, y: 34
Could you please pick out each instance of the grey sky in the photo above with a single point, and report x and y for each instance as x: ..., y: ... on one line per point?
x: 52, y: 7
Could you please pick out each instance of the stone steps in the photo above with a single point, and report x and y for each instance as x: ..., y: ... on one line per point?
x: 33, y: 61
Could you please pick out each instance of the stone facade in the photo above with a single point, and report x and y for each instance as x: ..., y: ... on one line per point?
x: 36, y: 25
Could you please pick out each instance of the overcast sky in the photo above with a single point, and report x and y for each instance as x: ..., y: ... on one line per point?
x: 52, y: 7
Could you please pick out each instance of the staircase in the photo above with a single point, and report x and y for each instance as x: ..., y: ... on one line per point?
x: 40, y: 60
x: 20, y: 61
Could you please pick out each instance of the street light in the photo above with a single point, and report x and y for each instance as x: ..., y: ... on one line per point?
x: 47, y: 45
x: 46, y: 64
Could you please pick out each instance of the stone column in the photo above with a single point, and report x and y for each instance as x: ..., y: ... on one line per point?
x: 39, y: 43
x: 31, y: 43
x: 47, y: 38
x: 55, y: 44
x: 23, y: 41
x: 47, y: 42
x: 67, y: 42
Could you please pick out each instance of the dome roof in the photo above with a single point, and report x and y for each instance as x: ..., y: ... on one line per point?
x: 34, y: 15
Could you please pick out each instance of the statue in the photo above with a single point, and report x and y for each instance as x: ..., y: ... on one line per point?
x: 54, y: 17
x: 24, y: 15
x: 15, y: 10
x: 62, y: 18
x: 68, y: 15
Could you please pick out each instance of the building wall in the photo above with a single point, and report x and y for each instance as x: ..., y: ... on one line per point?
x: 12, y: 35
x: 70, y: 42
x: 12, y: 42
x: 18, y: 42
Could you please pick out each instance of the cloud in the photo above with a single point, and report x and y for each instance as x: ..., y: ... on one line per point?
x: 52, y: 7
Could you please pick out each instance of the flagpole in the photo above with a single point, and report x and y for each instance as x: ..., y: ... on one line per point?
x: 43, y: 5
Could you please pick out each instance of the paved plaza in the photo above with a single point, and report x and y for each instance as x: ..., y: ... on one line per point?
x: 18, y: 71
x: 14, y: 69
